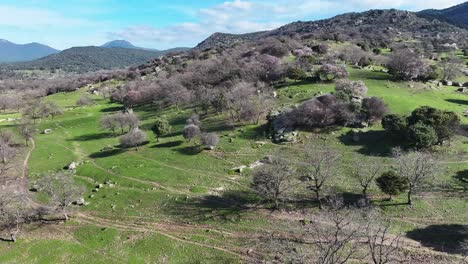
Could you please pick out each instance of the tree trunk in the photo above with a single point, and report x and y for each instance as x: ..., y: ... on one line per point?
x: 410, y: 200
x: 317, y: 196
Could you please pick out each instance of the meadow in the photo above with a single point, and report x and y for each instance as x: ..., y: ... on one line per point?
x: 175, y: 203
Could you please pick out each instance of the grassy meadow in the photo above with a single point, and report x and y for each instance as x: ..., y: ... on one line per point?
x: 175, y: 203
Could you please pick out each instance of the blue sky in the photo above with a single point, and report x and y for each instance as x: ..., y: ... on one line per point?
x: 164, y: 24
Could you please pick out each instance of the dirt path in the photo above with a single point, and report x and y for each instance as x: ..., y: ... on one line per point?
x: 26, y: 159
x: 159, y: 229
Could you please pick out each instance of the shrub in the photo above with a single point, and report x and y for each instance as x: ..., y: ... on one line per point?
x: 391, y: 183
x: 422, y: 136
x: 161, y: 127
x: 445, y: 123
x: 354, y: 89
x: 395, y: 125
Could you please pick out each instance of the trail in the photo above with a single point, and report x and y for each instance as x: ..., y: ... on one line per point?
x: 155, y: 228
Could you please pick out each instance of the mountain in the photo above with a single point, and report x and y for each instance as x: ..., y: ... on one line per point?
x: 85, y: 59
x: 457, y: 15
x: 11, y: 52
x: 370, y: 26
x: 120, y: 44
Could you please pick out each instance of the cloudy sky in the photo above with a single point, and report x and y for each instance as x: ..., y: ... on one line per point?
x: 168, y: 23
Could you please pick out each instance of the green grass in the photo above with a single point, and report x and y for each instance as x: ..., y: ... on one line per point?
x: 169, y: 196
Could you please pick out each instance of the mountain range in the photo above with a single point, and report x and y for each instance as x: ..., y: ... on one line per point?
x: 457, y: 15
x: 11, y: 52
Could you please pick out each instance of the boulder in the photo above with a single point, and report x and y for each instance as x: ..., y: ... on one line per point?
x: 268, y: 159
x: 72, y: 166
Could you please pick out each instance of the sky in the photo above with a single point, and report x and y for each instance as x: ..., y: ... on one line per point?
x: 163, y: 24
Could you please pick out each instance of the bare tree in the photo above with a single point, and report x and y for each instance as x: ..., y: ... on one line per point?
x: 451, y: 68
x: 190, y: 132
x: 62, y: 190
x: 210, y: 140
x: 320, y: 166
x: 134, y: 138
x: 13, y: 214
x: 365, y: 173
x: 26, y: 131
x: 335, y: 231
x: 383, y: 246
x: 417, y: 168
x: 272, y: 181
x: 120, y: 121
x: 406, y: 65
x: 85, y: 100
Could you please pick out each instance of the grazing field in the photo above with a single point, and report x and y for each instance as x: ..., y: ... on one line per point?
x: 171, y: 202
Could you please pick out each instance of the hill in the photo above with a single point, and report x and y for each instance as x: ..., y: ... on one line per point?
x: 86, y: 59
x: 457, y: 15
x: 119, y: 44
x: 11, y: 52
x: 373, y: 25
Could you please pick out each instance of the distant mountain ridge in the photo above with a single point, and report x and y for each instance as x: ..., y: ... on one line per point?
x: 457, y: 15
x: 368, y: 26
x: 124, y: 44
x: 12, y: 52
x: 87, y: 59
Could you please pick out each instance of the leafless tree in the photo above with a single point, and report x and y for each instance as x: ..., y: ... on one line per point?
x: 84, y: 100
x: 406, y: 65
x: 120, y: 121
x: 365, y: 173
x: 190, y: 132
x: 13, y: 214
x: 383, y: 246
x: 134, y: 138
x: 62, y: 190
x: 335, y: 231
x: 355, y: 89
x: 451, y: 67
x: 272, y: 181
x: 194, y: 120
x: 417, y: 168
x: 210, y: 140
x: 374, y: 109
x: 26, y: 130
x: 320, y: 167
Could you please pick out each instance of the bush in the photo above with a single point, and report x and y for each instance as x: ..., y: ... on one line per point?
x: 161, y: 127
x: 395, y: 125
x: 353, y: 89
x: 445, y: 123
x: 422, y: 136
x: 391, y: 183
x: 296, y: 74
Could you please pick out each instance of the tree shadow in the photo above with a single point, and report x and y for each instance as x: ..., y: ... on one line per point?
x: 190, y: 150
x: 457, y: 101
x: 462, y: 179
x: 169, y: 144
x: 372, y: 142
x: 92, y: 137
x: 447, y: 238
x: 228, y: 207
x: 107, y: 153
x: 112, y: 109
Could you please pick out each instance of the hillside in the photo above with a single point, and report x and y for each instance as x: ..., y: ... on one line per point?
x: 11, y: 52
x: 373, y: 25
x: 457, y: 15
x: 86, y: 59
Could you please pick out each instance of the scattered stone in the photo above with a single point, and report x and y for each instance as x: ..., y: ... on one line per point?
x: 34, y: 188
x: 111, y: 185
x: 239, y: 169
x: 72, y: 166
x: 462, y: 89
x: 465, y: 113
x: 95, y: 190
x: 47, y: 131
x: 268, y: 159
x: 80, y: 201
x: 100, y: 186
x: 256, y: 164
x: 91, y: 196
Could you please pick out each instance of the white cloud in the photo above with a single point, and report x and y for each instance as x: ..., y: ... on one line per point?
x: 242, y: 16
x: 11, y: 16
